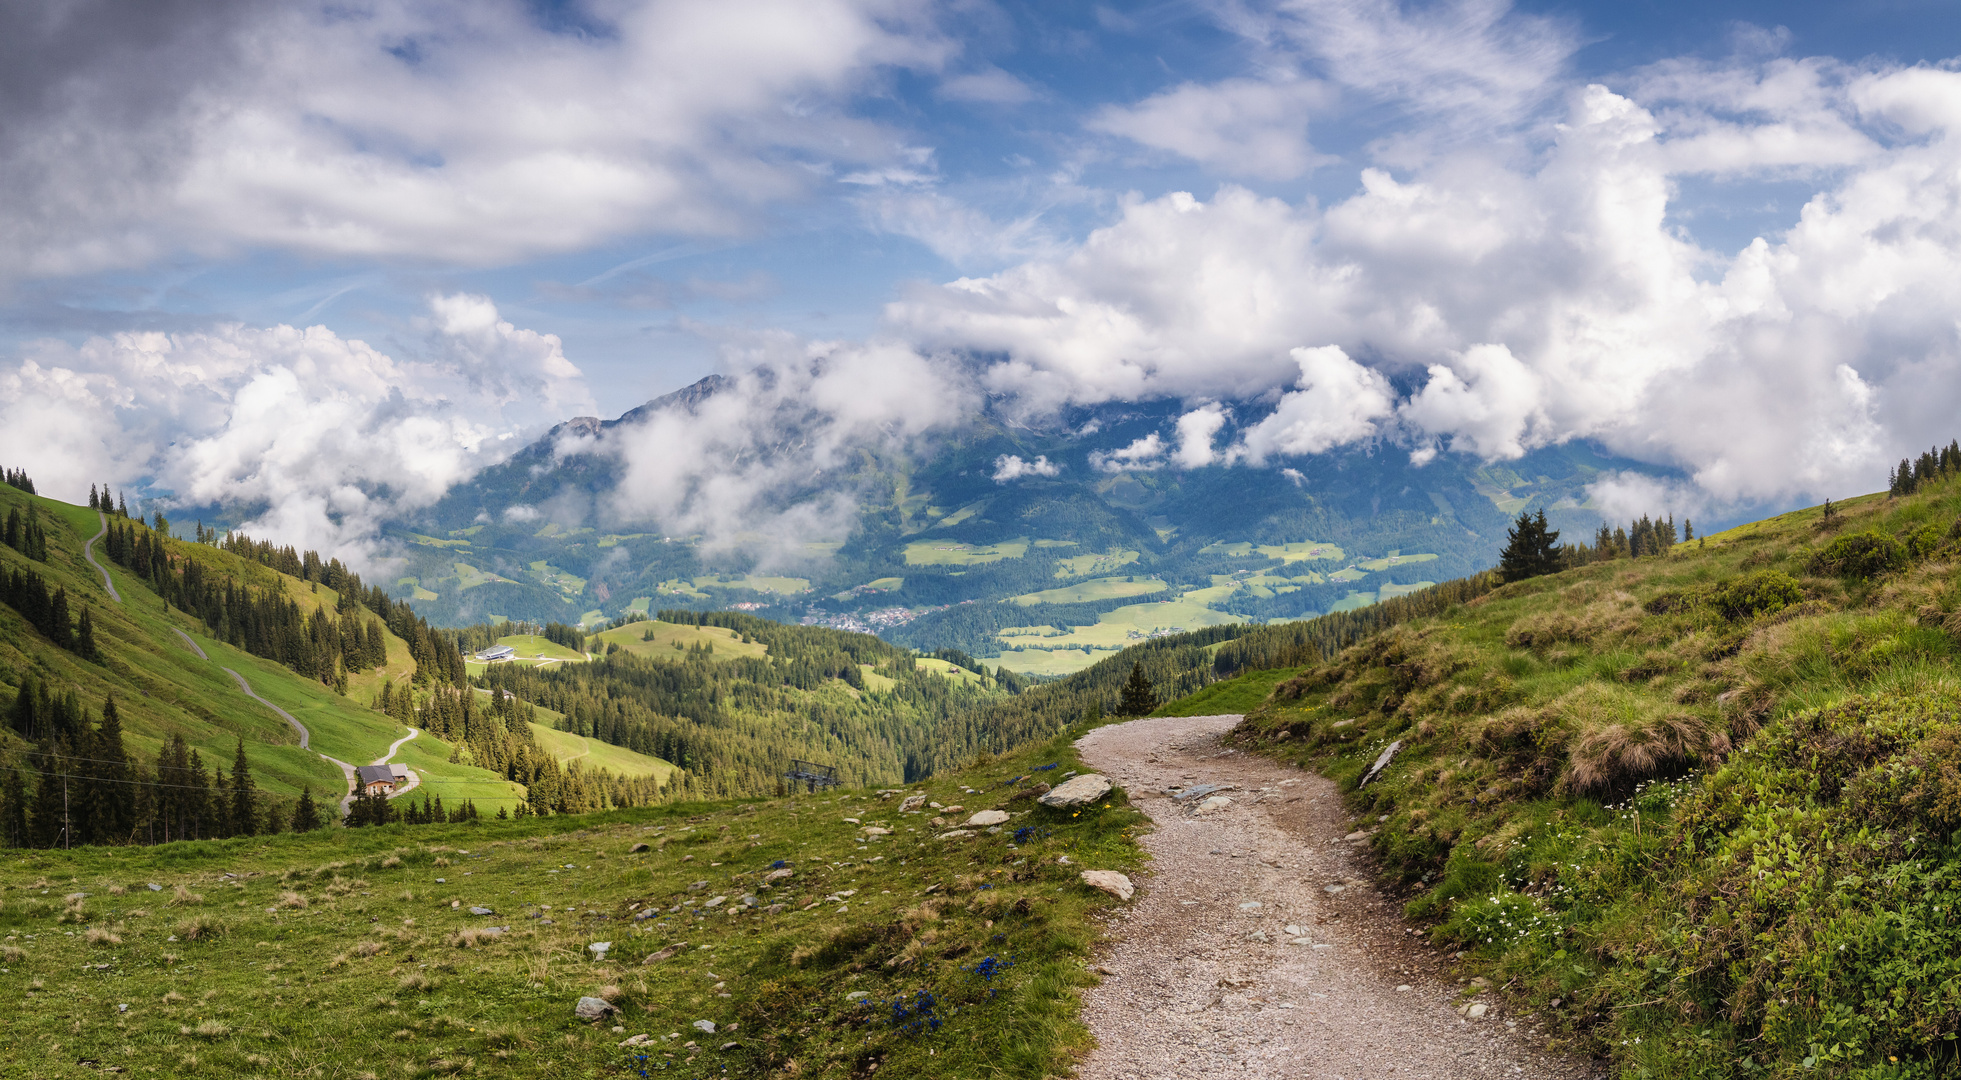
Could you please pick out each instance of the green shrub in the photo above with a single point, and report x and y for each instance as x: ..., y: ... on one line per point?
x: 1861, y: 556
x: 1756, y: 594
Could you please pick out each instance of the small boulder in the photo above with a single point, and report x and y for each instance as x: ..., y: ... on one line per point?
x: 1214, y: 804
x: 638, y: 848
x: 730, y: 1045
x: 636, y: 1040
x: 1080, y: 791
x: 1111, y: 882
x: 912, y: 802
x: 987, y: 817
x: 592, y: 1008
x: 599, y: 949
x: 482, y: 911
x: 640, y: 916
x: 778, y: 875
x: 706, y: 1027
x: 956, y: 834
x: 873, y: 830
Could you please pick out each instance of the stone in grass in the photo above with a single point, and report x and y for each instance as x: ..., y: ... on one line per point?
x: 987, y: 817
x: 482, y: 911
x: 592, y: 1008
x: 956, y: 834
x: 636, y: 1040
x: 599, y: 949
x: 706, y: 1027
x: 1111, y: 882
x: 913, y: 802
x: 1081, y: 791
x: 638, y: 848
x: 778, y: 875
x: 670, y: 951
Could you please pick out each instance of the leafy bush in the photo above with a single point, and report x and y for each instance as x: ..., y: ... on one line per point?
x: 1861, y: 556
x: 1756, y: 594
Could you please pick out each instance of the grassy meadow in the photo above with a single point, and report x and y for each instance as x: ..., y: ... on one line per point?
x: 355, y: 953
x: 1697, y: 810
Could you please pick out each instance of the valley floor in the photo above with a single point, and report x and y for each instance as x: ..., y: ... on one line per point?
x: 1205, y: 980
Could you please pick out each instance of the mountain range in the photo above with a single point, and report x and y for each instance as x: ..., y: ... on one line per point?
x: 1044, y: 545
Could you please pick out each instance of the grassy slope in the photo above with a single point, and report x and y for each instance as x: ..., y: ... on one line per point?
x: 162, y: 688
x: 1700, y: 845
x: 365, y: 966
x: 591, y: 753
x: 728, y: 644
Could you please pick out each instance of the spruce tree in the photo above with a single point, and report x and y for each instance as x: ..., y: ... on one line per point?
x: 112, y: 798
x: 13, y: 810
x: 1531, y: 548
x: 85, y: 636
x: 1139, y: 696
x: 306, y: 816
x: 244, y: 821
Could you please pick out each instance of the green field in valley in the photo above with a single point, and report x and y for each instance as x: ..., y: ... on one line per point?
x: 1108, y: 588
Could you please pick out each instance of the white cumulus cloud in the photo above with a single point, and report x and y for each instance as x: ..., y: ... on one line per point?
x: 1013, y: 467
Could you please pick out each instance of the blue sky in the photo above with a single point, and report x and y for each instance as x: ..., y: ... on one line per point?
x: 246, y: 230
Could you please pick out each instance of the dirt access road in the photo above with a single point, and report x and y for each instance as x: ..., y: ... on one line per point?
x: 1207, y: 981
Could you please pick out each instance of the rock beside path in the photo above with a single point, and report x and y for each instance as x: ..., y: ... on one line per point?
x: 1111, y: 882
x: 1081, y: 791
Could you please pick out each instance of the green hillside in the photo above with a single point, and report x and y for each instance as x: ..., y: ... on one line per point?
x: 1697, y: 810
x: 172, y: 676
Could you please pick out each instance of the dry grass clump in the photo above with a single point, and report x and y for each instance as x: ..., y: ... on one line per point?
x: 207, y: 1029
x: 172, y: 997
x: 391, y: 862
x: 292, y: 900
x: 366, y: 948
x: 609, y: 993
x: 100, y: 936
x: 12, y: 954
x: 117, y: 890
x: 440, y: 861
x: 337, y: 961
x: 1623, y: 739
x: 414, y: 981
x: 72, y: 909
x: 341, y: 886
x: 1612, y: 615
x: 470, y: 937
x: 183, y: 897
x: 198, y: 928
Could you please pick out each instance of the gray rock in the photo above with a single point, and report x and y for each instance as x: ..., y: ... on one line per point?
x: 730, y: 1045
x: 592, y: 1008
x: 482, y: 911
x: 698, y: 886
x: 775, y: 876
x: 858, y: 995
x: 912, y: 802
x: 985, y: 818
x: 1381, y: 762
x: 646, y: 914
x: 638, y: 848
x: 706, y: 1027
x: 1080, y: 791
x: 773, y: 909
x: 1214, y: 804
x: 956, y: 834
x: 716, y: 902
x: 751, y: 901
x: 599, y: 949
x: 154, y: 887
x: 1199, y: 791
x: 1111, y: 882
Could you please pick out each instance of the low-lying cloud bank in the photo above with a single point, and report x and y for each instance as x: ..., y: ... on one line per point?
x: 317, y: 437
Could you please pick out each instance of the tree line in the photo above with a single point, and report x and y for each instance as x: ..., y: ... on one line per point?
x: 86, y: 788
x: 1932, y: 465
x: 17, y: 478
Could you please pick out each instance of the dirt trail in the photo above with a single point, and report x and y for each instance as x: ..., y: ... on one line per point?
x: 88, y: 552
x: 1206, y: 981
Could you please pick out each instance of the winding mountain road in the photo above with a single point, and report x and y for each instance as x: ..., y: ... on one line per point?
x: 88, y: 552
x: 1259, y: 947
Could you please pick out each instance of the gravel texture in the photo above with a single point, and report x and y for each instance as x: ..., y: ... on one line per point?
x: 1190, y: 989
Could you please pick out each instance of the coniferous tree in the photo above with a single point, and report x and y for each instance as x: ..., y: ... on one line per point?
x: 51, y: 824
x: 1139, y: 696
x: 13, y: 809
x: 275, y: 818
x: 219, y: 808
x: 85, y: 636
x: 112, y: 794
x: 244, y: 821
x: 306, y: 815
x: 1531, y: 548
x: 1688, y: 531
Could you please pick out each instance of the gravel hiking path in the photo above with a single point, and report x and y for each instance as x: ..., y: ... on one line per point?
x: 88, y: 552
x: 1205, y: 981
x: 414, y: 778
